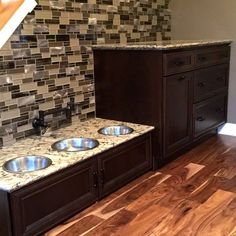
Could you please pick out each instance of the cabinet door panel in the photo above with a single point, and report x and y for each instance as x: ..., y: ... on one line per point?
x: 177, y: 109
x: 126, y: 162
x: 41, y: 205
x: 209, y: 114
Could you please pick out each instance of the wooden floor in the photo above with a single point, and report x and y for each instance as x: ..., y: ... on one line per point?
x: 194, y: 195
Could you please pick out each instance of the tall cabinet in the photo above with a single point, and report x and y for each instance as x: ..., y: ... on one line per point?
x: 182, y: 91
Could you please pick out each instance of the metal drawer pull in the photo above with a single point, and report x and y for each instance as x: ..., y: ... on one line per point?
x: 179, y: 63
x: 219, y: 109
x: 220, y: 78
x: 182, y: 78
x: 203, y: 58
x: 95, y: 179
x: 201, y: 84
x: 200, y: 118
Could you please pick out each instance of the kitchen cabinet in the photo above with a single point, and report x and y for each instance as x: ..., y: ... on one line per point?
x: 39, y: 206
x: 182, y: 91
x: 119, y: 166
x: 178, y: 111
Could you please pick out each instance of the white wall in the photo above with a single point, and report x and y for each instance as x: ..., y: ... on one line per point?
x: 208, y: 19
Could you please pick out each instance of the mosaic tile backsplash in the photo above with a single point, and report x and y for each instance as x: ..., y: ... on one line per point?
x: 49, y: 57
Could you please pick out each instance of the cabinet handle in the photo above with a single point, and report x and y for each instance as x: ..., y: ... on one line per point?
x: 203, y: 58
x: 201, y: 84
x: 219, y: 109
x: 220, y: 78
x: 179, y: 63
x: 182, y: 78
x: 200, y: 118
x: 95, y: 179
x: 102, y: 176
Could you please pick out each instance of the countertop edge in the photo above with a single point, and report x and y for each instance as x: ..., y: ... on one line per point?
x: 152, y: 46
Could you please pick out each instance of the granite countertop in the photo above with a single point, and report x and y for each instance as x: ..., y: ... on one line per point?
x: 60, y: 160
x: 162, y: 45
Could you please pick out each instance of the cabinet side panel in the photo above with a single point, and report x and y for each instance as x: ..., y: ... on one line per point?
x: 128, y: 87
x: 5, y: 218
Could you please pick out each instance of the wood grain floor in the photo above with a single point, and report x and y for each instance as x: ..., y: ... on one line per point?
x: 194, y: 195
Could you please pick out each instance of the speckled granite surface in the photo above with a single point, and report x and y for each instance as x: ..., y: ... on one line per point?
x: 42, y: 146
x: 163, y: 45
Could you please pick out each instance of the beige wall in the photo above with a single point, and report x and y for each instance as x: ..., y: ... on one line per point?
x: 208, y: 19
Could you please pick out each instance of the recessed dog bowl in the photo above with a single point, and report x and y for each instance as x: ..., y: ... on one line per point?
x: 116, y: 130
x: 27, y: 164
x: 75, y: 144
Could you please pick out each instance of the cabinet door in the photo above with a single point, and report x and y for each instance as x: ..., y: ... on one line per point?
x: 124, y: 163
x: 177, y: 110
x: 42, y: 205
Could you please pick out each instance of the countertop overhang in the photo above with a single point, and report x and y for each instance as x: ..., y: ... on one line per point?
x: 60, y: 160
x: 162, y: 45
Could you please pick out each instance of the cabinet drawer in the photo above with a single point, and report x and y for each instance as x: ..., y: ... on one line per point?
x: 209, y: 114
x: 209, y: 81
x: 41, y: 205
x: 212, y: 56
x: 177, y: 62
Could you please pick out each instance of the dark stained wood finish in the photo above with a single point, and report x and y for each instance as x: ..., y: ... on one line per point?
x: 119, y: 166
x: 47, y: 202
x: 212, y: 56
x: 177, y: 112
x: 193, y: 195
x: 210, y: 114
x: 211, y: 81
x: 128, y: 87
x: 141, y: 86
x: 5, y: 222
x: 43, y: 204
x: 176, y: 62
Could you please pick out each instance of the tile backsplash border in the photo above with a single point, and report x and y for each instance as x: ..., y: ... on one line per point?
x: 49, y: 57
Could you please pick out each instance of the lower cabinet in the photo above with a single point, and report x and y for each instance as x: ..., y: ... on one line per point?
x: 51, y: 200
x: 178, y: 112
x: 122, y: 164
x: 209, y: 114
x: 43, y: 204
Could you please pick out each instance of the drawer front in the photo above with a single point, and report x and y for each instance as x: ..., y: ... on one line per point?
x: 210, y: 81
x: 212, y: 56
x: 209, y: 115
x: 177, y: 62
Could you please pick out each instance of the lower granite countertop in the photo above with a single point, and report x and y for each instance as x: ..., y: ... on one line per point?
x: 42, y: 146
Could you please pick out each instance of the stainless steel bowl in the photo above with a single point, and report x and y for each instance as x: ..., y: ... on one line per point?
x: 27, y: 164
x: 116, y: 130
x: 75, y: 144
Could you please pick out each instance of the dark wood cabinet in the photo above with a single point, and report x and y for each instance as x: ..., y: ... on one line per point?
x: 169, y: 89
x: 39, y: 206
x: 178, y: 112
x: 129, y: 161
x: 209, y: 114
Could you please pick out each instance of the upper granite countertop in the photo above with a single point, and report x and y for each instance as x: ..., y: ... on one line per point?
x: 162, y: 45
x: 60, y: 160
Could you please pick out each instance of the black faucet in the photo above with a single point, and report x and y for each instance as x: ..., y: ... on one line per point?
x: 42, y: 126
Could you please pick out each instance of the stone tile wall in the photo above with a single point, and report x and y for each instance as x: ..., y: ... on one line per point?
x: 49, y: 57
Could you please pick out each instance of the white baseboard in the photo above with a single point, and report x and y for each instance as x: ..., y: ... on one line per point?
x: 228, y: 129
